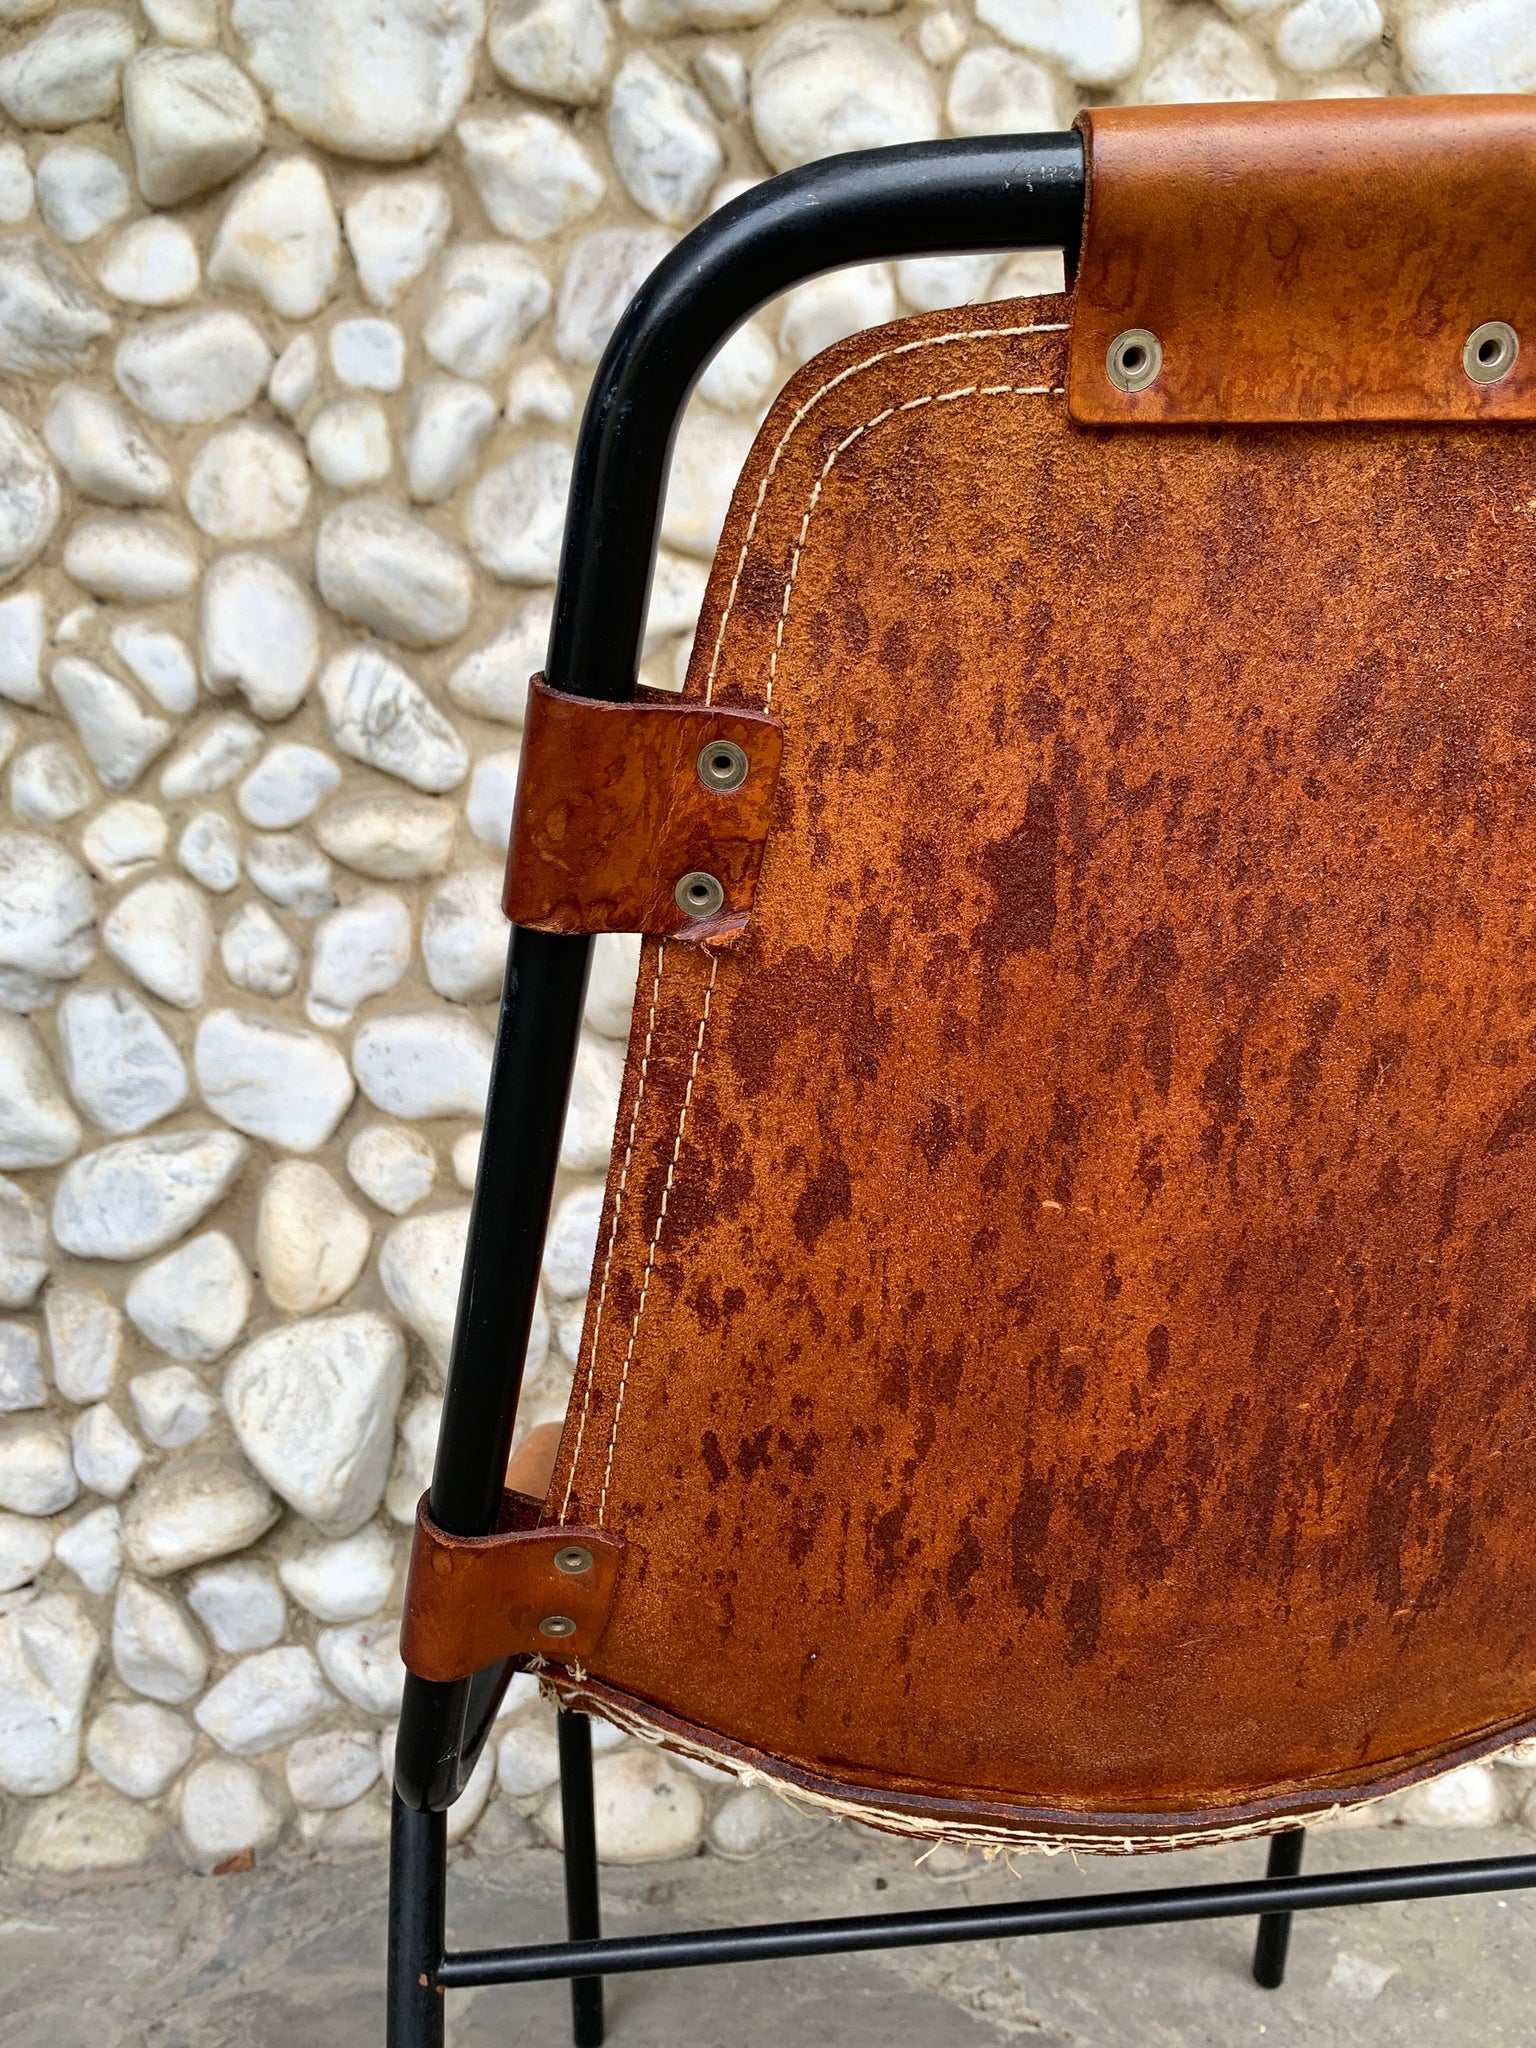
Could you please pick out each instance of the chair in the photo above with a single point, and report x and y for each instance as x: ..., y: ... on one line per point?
x: 1058, y: 1364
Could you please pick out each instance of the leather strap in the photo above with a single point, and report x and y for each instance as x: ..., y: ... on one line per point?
x: 613, y: 812
x: 472, y: 1600
x: 1312, y: 260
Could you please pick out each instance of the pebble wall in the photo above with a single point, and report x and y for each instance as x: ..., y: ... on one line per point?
x: 298, y: 300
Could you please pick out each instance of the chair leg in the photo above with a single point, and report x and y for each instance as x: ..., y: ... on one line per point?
x: 1275, y: 1928
x: 418, y: 1877
x: 581, y: 1896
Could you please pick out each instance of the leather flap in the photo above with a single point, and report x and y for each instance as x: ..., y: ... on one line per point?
x: 472, y: 1600
x: 614, y: 816
x: 1314, y: 260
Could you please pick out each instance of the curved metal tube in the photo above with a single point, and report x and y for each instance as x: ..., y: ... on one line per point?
x: 1017, y: 192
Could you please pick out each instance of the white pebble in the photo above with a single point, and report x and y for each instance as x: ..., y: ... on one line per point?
x: 448, y: 421
x: 271, y: 1080
x: 663, y: 139
x: 1096, y: 42
x: 379, y: 566
x: 258, y: 954
x: 394, y: 1167
x: 29, y: 492
x: 48, y: 1650
x: 493, y: 681
x: 124, y: 838
x: 280, y: 238
x: 47, y: 919
x: 348, y: 442
x: 820, y: 86
x: 602, y: 274
x: 48, y: 784
x: 140, y: 1195
x: 394, y: 230
x: 466, y: 1159
x: 423, y: 1063
x: 382, y: 83
x: 313, y: 1406
x: 1217, y: 62
x: 311, y: 1241
x: 192, y: 23
x: 593, y: 1107
x: 1320, y: 35
x: 571, y: 1244
x: 120, y: 736
x: 107, y: 1456
x: 488, y: 297
x: 420, y: 1266
x: 368, y: 354
x: 517, y: 513
x: 37, y: 1125
x: 193, y: 118
x: 173, y: 1406
x: 331, y: 1770
x: 37, y: 1473
x: 646, y: 1808
x: 996, y: 92
x: 134, y: 556
x: 539, y: 392
x: 71, y: 72
x: 722, y: 72
x: 193, y: 1303
x: 138, y: 1747
x: 464, y: 936
x: 940, y: 37
x: 159, y: 661
x: 391, y: 838
x: 48, y: 320
x: 92, y: 1548
x: 193, y: 1509
x: 292, y: 382
x: 225, y: 1807
x: 611, y: 985
x: 1465, y: 1798
x: 528, y: 1758
x: 15, y: 184
x: 23, y: 1246
x: 222, y: 750
x: 156, y: 1649
x: 85, y: 1339
x: 532, y: 175
x: 240, y: 1605
x: 363, y: 1663
x: 209, y: 850
x: 743, y: 373
x: 152, y: 262
x: 265, y: 1701
x: 677, y: 591
x: 193, y: 368
x: 359, y: 951
x: 162, y: 934
x: 707, y: 458
x: 346, y: 1581
x: 25, y: 1549
x: 378, y: 714
x: 260, y: 634
x: 286, y: 784
x: 21, y: 1369
x: 492, y: 793
x: 21, y: 647
x: 825, y: 311
x: 121, y: 1066
x: 555, y: 49
x: 249, y: 481
x: 80, y: 191
x: 1460, y: 46
x: 291, y: 872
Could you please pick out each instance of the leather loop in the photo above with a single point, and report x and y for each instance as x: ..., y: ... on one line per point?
x: 612, y: 814
x: 1307, y: 261
x: 472, y: 1600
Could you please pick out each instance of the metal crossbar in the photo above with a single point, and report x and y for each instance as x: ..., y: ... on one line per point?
x: 615, y: 1957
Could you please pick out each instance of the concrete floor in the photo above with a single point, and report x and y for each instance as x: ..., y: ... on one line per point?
x: 292, y: 1953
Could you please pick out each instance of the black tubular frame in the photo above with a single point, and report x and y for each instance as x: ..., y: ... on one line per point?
x: 993, y: 193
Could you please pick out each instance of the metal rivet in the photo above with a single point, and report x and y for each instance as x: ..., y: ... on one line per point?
x: 723, y: 765
x: 1135, y: 359
x: 1490, y: 352
x: 699, y: 894
x: 573, y: 1560
x: 557, y: 1625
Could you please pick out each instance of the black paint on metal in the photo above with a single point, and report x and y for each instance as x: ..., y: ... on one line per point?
x: 1274, y: 1936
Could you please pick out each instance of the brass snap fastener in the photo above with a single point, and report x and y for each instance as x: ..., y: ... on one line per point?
x: 1135, y: 359
x: 573, y: 1560
x: 699, y: 894
x: 557, y: 1625
x: 1490, y: 352
x: 723, y: 766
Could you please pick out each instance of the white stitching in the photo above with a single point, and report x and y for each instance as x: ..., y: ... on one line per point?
x: 661, y: 1217
x: 930, y: 398
x: 613, y: 1228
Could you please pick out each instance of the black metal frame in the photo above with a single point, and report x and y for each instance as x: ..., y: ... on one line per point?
x: 936, y: 198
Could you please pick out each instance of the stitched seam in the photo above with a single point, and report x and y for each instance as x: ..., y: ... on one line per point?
x: 911, y: 405
x: 906, y: 348
x: 661, y: 1217
x: 613, y: 1228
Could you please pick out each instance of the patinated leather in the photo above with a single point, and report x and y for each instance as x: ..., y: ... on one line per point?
x: 1061, y: 1354
x: 610, y: 814
x: 1316, y: 260
x: 471, y: 1601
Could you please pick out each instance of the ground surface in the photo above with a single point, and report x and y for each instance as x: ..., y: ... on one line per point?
x: 292, y: 1953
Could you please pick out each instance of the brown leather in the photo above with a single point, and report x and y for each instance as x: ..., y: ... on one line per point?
x: 1062, y: 1336
x: 1315, y: 260
x: 473, y: 1600
x: 531, y: 1464
x: 611, y: 813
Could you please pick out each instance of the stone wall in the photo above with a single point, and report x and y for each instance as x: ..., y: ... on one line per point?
x: 297, y: 303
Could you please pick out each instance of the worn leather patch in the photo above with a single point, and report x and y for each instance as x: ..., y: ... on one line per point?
x: 1312, y: 260
x: 612, y: 813
x: 1062, y: 1328
x: 472, y: 1600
